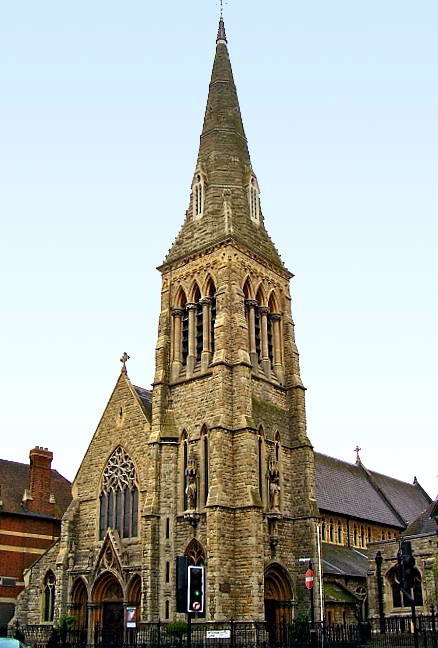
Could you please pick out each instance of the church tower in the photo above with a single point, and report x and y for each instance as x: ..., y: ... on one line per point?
x: 233, y: 464
x: 214, y: 464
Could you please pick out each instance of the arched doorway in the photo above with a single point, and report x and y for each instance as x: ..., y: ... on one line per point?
x: 79, y: 599
x: 278, y: 599
x: 108, y: 595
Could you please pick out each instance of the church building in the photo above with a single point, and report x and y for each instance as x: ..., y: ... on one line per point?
x: 214, y: 463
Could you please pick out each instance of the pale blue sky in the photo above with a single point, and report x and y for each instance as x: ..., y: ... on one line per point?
x: 101, y: 106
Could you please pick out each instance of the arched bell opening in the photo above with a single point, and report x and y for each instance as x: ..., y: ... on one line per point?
x: 278, y: 600
x: 108, y: 621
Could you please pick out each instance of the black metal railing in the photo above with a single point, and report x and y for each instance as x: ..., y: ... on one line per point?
x: 390, y: 632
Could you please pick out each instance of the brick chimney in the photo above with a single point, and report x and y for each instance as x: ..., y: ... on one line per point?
x: 39, y: 499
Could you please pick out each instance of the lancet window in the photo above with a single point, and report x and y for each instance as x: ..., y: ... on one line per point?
x: 193, y: 328
x: 254, y: 201
x: 49, y: 596
x: 198, y: 196
x: 339, y: 532
x: 264, y: 331
x: 119, y: 496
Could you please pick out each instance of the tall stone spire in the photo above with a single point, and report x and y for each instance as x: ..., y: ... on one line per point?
x: 224, y: 202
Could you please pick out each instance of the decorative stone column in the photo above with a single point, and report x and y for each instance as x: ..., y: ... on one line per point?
x: 251, y: 305
x: 191, y: 358
x: 92, y: 619
x: 177, y: 314
x: 206, y: 332
x: 276, y: 335
x: 266, y: 363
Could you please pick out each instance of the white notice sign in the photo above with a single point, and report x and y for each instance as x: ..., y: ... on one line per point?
x: 218, y: 634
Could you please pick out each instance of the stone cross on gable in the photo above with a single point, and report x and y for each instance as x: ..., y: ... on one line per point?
x: 357, y: 450
x: 124, y: 359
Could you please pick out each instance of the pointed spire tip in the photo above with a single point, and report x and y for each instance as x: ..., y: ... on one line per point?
x: 221, y: 35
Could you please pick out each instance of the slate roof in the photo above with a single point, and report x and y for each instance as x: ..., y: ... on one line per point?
x: 343, y: 561
x: 408, y: 499
x: 424, y: 523
x: 14, y: 478
x: 349, y: 489
x: 145, y: 396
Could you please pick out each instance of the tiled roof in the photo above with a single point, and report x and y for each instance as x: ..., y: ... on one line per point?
x: 343, y: 561
x: 407, y: 499
x: 349, y: 489
x: 14, y: 478
x: 425, y: 523
x: 145, y: 396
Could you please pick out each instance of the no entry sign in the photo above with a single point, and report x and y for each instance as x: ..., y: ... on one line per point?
x: 309, y: 579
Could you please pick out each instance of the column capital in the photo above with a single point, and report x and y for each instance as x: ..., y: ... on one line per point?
x: 177, y: 312
x: 191, y: 306
x: 252, y: 303
x: 206, y: 300
x: 275, y: 317
x: 263, y: 310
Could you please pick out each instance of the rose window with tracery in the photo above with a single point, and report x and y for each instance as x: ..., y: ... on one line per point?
x: 119, y: 496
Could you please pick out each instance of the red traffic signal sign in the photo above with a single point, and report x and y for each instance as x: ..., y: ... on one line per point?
x: 308, y: 580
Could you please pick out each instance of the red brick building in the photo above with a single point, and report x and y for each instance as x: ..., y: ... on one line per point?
x: 33, y: 499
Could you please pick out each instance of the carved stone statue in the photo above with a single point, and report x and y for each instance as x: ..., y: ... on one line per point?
x: 274, y: 486
x: 192, y: 487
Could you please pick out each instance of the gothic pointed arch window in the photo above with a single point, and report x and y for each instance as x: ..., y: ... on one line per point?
x: 254, y: 200
x: 339, y: 532
x: 195, y: 555
x: 199, y: 328
x: 119, y: 496
x: 398, y: 598
x: 277, y: 446
x: 180, y: 337
x: 210, y: 300
x: 198, y: 195
x: 49, y: 586
x: 258, y: 324
x: 331, y: 531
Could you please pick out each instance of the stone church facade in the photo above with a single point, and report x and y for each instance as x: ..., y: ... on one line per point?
x: 214, y: 463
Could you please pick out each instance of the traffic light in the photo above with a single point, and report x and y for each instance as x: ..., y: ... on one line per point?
x: 181, y: 584
x: 195, y: 589
x: 406, y: 570
x: 408, y: 566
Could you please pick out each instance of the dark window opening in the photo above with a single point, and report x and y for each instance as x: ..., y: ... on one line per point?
x: 199, y: 331
x: 185, y: 336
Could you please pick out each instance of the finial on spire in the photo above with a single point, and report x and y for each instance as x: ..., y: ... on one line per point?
x: 124, y: 359
x: 221, y: 35
x: 357, y: 450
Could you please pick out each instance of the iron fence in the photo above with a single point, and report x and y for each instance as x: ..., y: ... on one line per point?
x: 391, y: 632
